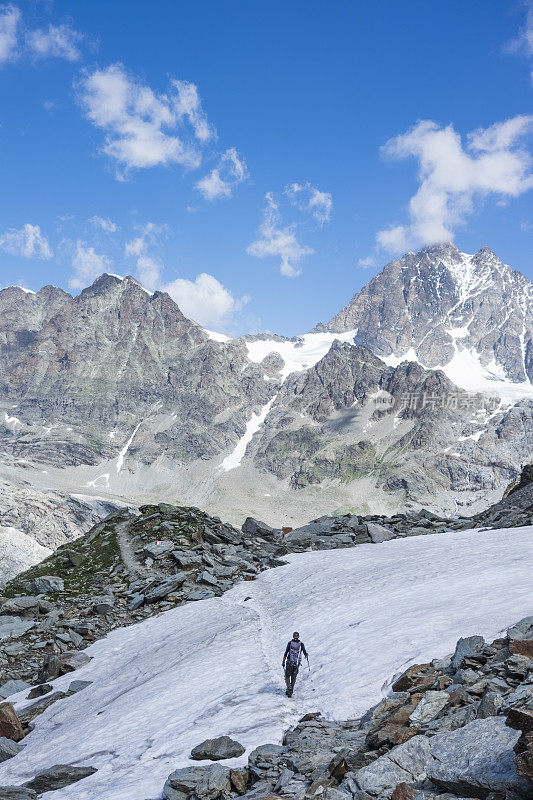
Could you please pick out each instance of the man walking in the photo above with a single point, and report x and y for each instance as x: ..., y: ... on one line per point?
x: 292, y: 660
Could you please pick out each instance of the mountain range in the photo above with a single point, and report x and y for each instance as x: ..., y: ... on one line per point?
x: 417, y: 393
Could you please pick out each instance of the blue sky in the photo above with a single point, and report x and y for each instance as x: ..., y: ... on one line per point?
x: 260, y: 162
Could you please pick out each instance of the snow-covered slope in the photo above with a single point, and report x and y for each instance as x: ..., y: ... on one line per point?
x: 214, y: 667
x: 18, y: 551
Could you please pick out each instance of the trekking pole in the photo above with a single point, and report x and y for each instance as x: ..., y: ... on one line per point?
x: 307, y: 657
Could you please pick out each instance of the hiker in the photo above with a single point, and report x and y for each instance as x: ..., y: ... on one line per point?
x: 292, y: 660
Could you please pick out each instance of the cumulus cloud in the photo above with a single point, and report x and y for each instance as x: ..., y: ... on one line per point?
x: 309, y: 198
x: 104, y: 223
x: 9, y: 24
x: 57, y: 41
x: 141, y: 127
x: 205, y: 300
x: 149, y: 268
x: 27, y: 241
x: 456, y: 177
x: 230, y: 171
x: 87, y: 265
x: 274, y: 239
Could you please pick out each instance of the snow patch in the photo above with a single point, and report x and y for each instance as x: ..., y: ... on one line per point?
x: 297, y: 355
x: 120, y: 459
x: 252, y: 426
x: 217, y: 337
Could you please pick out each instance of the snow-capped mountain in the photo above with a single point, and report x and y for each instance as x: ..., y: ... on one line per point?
x: 417, y: 393
x: 469, y: 315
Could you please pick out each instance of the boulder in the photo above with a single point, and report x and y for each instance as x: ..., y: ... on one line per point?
x: 14, y: 627
x: 522, y: 630
x: 187, y: 560
x: 19, y: 605
x: 70, y: 661
x: 10, y: 726
x: 239, y: 779
x: 253, y: 527
x: 477, y: 759
x: 378, y: 533
x: 521, y: 719
x: 412, y: 677
x: 47, y: 584
x: 217, y: 749
x: 206, y: 783
x: 78, y: 686
x: 103, y: 605
x: 158, y: 549
x: 136, y: 601
x: 466, y: 647
x: 13, y: 687
x: 165, y: 587
x: 57, y: 777
x: 405, y: 763
x: 429, y: 707
x: 206, y: 578
x: 490, y: 704
x: 39, y: 691
x: 8, y: 748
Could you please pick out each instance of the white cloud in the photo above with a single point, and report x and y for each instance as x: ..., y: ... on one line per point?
x: 366, y: 263
x: 141, y: 126
x: 455, y: 178
x: 275, y: 240
x: 205, y: 299
x: 230, y: 171
x: 104, y: 223
x: 189, y: 106
x: 27, y: 241
x: 309, y: 198
x: 87, y: 265
x: 149, y: 269
x: 9, y: 23
x: 58, y: 41
x: 524, y: 41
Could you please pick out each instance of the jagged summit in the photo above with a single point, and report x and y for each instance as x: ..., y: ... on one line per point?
x: 446, y: 308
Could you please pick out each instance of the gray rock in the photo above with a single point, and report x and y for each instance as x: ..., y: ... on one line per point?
x: 378, y: 533
x: 47, y: 584
x: 466, y: 647
x: 522, y: 629
x: 158, y: 549
x: 207, y: 783
x: 78, y: 686
x: 217, y: 749
x: 16, y: 793
x: 14, y: 627
x: 58, y: 776
x: 429, y: 707
x: 136, y: 601
x: 490, y: 704
x: 103, y: 605
x: 252, y: 527
x: 166, y: 587
x: 12, y: 687
x: 187, y: 560
x: 404, y: 763
x: 18, y: 605
x: 8, y: 748
x: 207, y: 577
x: 70, y: 661
x: 477, y: 758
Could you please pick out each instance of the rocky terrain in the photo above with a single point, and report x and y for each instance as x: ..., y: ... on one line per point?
x: 459, y: 725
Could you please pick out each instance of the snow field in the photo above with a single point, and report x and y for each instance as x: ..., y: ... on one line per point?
x: 214, y: 667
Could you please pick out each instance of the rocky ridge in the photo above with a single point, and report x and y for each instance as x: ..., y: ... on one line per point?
x: 164, y: 404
